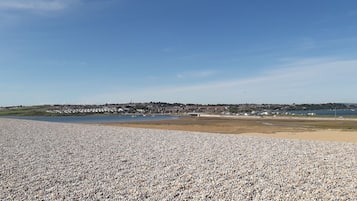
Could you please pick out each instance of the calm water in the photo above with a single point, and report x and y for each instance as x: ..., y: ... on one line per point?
x: 96, y: 119
x: 328, y: 112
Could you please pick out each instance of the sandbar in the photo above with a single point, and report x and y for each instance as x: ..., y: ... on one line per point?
x: 322, y: 129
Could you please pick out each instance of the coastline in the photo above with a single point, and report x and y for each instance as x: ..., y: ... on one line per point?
x: 317, y: 118
x: 288, y: 127
x: 301, y: 128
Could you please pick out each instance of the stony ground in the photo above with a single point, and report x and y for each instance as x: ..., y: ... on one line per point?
x: 53, y: 161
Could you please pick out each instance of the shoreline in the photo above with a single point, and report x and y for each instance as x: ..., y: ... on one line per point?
x: 320, y: 129
x: 280, y: 117
x: 303, y: 128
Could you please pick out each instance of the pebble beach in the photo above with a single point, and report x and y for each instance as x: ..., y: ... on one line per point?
x: 58, y: 161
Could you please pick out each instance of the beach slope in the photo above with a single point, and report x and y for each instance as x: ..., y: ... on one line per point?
x: 54, y: 161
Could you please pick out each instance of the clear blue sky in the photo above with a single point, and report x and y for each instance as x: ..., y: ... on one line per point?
x: 190, y: 51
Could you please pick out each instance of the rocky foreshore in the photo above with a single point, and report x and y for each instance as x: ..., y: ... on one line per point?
x: 54, y: 161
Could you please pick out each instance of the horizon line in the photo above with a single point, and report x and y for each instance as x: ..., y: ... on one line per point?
x: 118, y: 103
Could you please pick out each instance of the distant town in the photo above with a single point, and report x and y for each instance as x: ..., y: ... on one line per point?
x: 153, y: 108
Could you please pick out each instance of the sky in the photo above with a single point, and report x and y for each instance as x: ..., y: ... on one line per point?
x: 186, y: 51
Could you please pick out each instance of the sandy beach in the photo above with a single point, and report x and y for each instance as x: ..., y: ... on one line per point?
x: 56, y: 161
x: 323, y: 129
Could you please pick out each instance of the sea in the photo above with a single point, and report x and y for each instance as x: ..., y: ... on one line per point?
x: 338, y: 113
x: 96, y: 118
x: 128, y: 118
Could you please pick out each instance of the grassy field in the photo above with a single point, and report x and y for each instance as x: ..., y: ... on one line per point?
x: 25, y: 111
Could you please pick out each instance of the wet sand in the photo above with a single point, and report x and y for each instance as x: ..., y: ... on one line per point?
x: 290, y: 128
